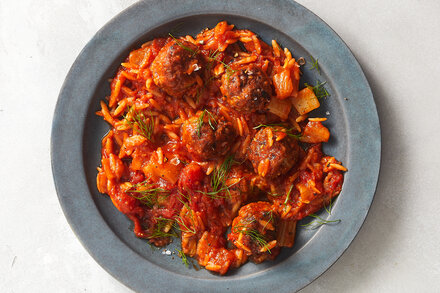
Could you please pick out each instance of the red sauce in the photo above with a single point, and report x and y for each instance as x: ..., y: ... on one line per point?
x: 204, y: 138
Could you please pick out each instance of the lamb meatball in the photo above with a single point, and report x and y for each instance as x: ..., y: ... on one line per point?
x: 270, y: 157
x: 176, y: 66
x: 191, y: 177
x: 208, y: 139
x: 248, y: 89
x: 253, y: 230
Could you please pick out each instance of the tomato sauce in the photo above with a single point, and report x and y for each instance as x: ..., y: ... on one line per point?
x: 210, y: 142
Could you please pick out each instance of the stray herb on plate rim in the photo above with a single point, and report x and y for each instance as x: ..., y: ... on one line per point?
x: 319, y: 221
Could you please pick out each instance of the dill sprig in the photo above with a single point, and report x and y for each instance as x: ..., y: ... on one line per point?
x: 185, y: 229
x: 328, y: 208
x: 188, y: 198
x: 271, y: 219
x: 214, y: 57
x: 314, y: 64
x: 318, y: 222
x: 198, y: 94
x: 164, y: 228
x: 200, y: 122
x: 319, y: 89
x: 182, y: 255
x: 181, y: 222
x: 229, y: 70
x: 258, y: 238
x: 254, y: 234
x: 288, y: 194
x: 147, y: 193
x: 183, y: 46
x: 217, y: 193
x: 144, y: 125
x: 218, y: 178
x: 277, y: 126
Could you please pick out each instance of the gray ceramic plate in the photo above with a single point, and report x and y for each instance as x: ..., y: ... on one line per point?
x: 77, y: 133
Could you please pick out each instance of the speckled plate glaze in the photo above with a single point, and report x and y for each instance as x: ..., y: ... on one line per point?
x: 77, y: 133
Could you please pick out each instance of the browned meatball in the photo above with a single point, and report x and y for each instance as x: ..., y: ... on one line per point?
x: 208, y: 139
x: 176, y: 66
x: 247, y: 89
x: 253, y: 230
x: 273, y: 153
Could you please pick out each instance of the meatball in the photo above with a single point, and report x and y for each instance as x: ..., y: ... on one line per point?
x: 272, y: 152
x: 253, y: 230
x: 206, y: 136
x: 247, y: 89
x: 176, y: 67
x: 191, y: 177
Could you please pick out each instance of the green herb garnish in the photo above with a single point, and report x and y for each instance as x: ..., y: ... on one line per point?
x: 214, y: 57
x: 182, y: 255
x: 198, y: 94
x: 319, y: 89
x: 328, y: 208
x: 200, y: 122
x: 162, y: 225
x: 188, y: 198
x: 145, y: 125
x: 318, y: 222
x: 314, y: 64
x: 254, y: 234
x: 218, y: 178
x: 217, y: 193
x: 288, y: 194
x: 288, y: 131
x: 146, y: 193
x: 181, y: 222
x: 270, y: 220
x: 183, y: 46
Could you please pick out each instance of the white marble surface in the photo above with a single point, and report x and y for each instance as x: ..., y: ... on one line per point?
x: 396, y: 41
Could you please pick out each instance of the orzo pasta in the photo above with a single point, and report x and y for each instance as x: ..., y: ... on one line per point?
x: 210, y: 141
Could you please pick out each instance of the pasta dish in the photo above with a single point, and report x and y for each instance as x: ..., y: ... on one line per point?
x: 211, y: 142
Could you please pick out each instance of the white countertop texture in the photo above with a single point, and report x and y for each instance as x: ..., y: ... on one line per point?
x: 397, y: 43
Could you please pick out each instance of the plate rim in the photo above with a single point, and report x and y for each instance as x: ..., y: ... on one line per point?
x: 58, y: 136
